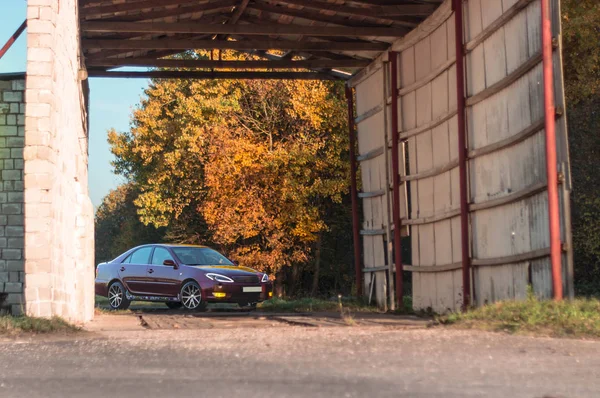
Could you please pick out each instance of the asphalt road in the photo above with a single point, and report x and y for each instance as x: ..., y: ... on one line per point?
x: 300, y: 362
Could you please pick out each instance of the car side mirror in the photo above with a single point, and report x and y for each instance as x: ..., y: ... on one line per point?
x: 169, y: 263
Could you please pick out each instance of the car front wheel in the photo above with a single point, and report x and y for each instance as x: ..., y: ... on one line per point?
x: 117, y: 297
x: 191, y: 297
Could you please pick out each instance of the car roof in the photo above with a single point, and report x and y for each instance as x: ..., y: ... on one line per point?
x: 171, y: 245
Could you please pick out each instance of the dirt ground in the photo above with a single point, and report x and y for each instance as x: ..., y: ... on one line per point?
x: 281, y: 355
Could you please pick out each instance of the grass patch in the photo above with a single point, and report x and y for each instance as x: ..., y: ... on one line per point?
x: 102, y: 307
x: 349, y: 320
x: 569, y: 318
x: 101, y: 301
x: 314, y: 305
x: 13, y: 325
x: 407, y: 307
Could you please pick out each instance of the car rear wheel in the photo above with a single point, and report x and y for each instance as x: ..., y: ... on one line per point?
x: 191, y: 297
x: 117, y: 297
x: 174, y: 305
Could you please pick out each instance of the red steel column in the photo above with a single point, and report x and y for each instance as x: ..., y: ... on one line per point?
x: 354, y: 193
x: 396, y: 180
x: 462, y: 152
x: 551, y: 158
x: 13, y: 38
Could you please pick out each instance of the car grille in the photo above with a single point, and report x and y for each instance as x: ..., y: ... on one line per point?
x: 246, y: 279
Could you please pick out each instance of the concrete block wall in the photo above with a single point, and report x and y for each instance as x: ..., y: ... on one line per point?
x: 12, y: 132
x: 59, y: 269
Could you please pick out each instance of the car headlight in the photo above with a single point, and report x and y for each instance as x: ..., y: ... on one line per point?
x: 265, y: 278
x: 219, y: 278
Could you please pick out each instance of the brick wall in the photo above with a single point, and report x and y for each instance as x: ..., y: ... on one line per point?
x: 59, y: 238
x: 12, y: 131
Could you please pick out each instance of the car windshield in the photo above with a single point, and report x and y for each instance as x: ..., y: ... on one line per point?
x: 200, y: 256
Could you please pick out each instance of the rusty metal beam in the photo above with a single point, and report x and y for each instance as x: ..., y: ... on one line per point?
x: 396, y: 180
x: 12, y: 39
x: 462, y: 152
x: 354, y: 194
x: 551, y: 155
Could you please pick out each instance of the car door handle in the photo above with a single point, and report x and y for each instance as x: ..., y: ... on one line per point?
x: 122, y: 268
x: 150, y: 271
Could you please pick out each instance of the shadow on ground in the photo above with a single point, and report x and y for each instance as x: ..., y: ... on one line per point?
x: 157, y: 317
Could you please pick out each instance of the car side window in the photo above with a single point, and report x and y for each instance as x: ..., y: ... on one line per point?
x: 141, y: 256
x: 160, y: 255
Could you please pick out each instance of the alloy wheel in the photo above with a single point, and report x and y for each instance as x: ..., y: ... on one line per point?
x: 115, y: 295
x: 191, y: 296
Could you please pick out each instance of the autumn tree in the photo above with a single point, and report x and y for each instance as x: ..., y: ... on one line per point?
x: 252, y: 167
x: 581, y: 43
x: 118, y: 227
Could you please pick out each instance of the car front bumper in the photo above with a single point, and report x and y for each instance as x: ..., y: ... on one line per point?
x: 242, y: 294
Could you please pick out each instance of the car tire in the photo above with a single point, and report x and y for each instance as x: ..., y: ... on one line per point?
x: 191, y: 297
x: 174, y: 305
x: 117, y: 296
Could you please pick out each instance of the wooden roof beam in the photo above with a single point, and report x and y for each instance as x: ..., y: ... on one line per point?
x: 316, y: 15
x: 164, y: 53
x: 87, y: 3
x: 98, y: 11
x: 169, y: 44
x: 311, y: 15
x: 371, y: 3
x: 263, y: 29
x: 239, y: 11
x: 165, y: 13
x: 277, y: 58
x: 383, y: 12
x: 214, y: 75
x: 214, y: 19
x: 235, y: 17
x: 208, y: 64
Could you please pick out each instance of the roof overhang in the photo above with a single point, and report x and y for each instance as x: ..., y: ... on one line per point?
x: 289, y: 39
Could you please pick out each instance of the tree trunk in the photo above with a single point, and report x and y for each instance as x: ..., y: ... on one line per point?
x: 294, y: 280
x: 315, y: 284
x: 279, y: 289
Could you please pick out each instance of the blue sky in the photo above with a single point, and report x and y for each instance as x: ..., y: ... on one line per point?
x: 111, y: 101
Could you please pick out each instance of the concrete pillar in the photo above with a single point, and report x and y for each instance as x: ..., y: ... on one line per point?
x: 58, y: 212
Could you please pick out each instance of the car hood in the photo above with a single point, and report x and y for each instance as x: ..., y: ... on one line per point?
x: 227, y: 269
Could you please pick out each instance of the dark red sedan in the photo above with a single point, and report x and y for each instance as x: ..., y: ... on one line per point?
x: 180, y: 276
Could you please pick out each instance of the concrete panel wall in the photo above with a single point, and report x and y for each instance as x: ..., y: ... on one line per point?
x: 506, y: 170
x: 12, y: 131
x: 58, y: 212
x: 507, y: 149
x: 374, y: 156
x: 428, y: 124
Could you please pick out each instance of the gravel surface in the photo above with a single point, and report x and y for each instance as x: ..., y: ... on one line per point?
x: 300, y: 362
